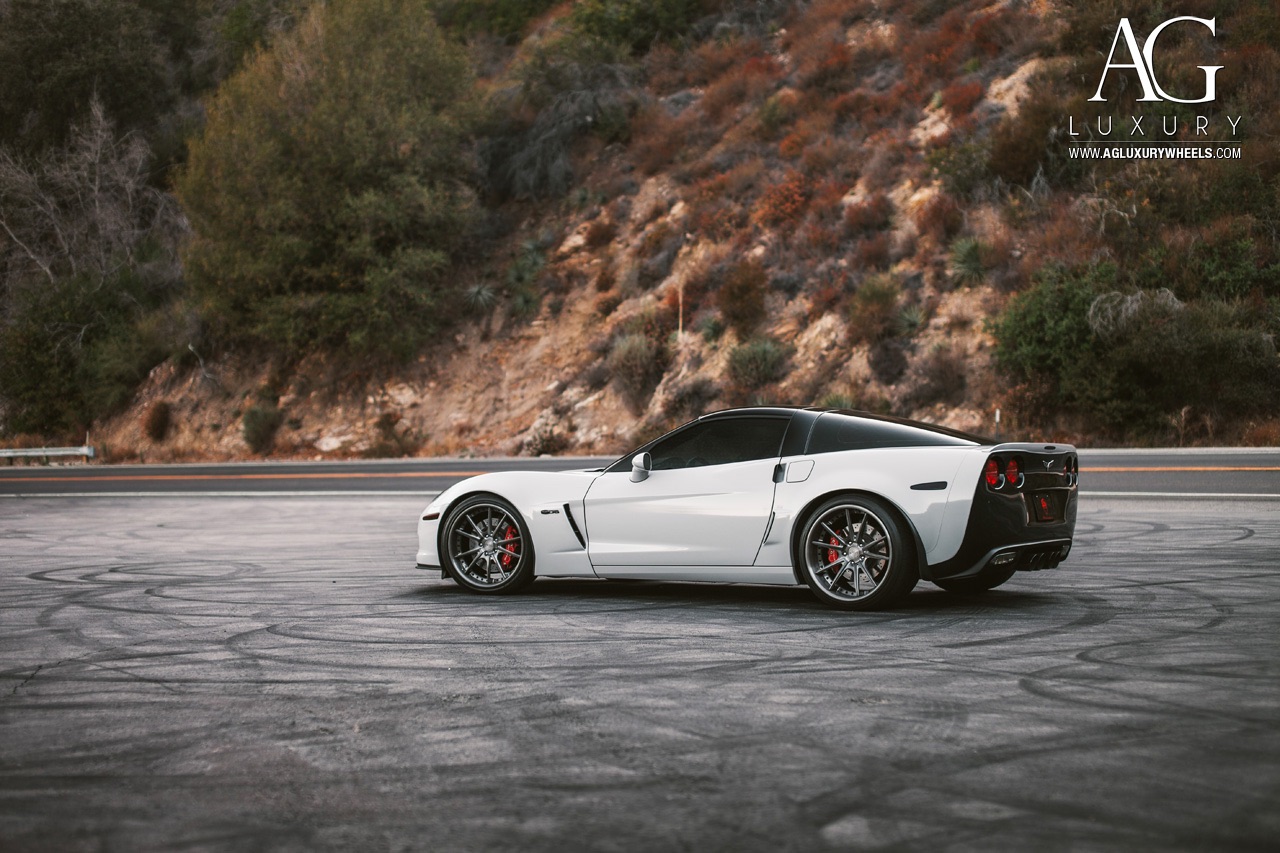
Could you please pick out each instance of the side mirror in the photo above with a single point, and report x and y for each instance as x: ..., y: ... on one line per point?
x: 641, y: 465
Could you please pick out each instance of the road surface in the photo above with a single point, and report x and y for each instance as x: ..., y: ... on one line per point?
x: 271, y: 673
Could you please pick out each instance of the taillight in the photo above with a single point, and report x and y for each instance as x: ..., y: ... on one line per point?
x: 1013, y: 473
x: 992, y: 473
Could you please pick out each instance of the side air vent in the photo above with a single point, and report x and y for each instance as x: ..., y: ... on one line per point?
x: 568, y: 513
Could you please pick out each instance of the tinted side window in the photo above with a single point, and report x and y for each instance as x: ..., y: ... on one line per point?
x: 720, y: 442
x: 834, y: 432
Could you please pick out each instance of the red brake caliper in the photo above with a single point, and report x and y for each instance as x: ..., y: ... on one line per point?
x: 513, y: 547
x: 833, y: 555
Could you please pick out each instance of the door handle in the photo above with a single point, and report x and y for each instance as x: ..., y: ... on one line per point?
x: 779, y: 472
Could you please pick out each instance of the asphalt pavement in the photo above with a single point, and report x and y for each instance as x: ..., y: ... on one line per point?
x: 228, y: 672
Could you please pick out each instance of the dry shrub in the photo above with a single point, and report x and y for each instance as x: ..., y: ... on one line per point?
x: 881, y: 169
x: 660, y: 137
x: 784, y: 202
x: 607, y: 303
x: 821, y: 21
x: 750, y: 82
x: 823, y: 239
x: 1264, y: 434
x: 826, y: 66
x: 666, y: 69
x: 961, y: 97
x: 792, y: 145
x: 691, y: 398
x: 1062, y: 235
x: 713, y: 59
x: 828, y: 296
x: 825, y: 203
x: 155, y: 423
x: 741, y: 296
x: 601, y: 233
x: 873, y: 214
x: 940, y: 218
x: 718, y: 220
x: 870, y: 109
x: 1020, y: 145
x: 935, y: 52
x: 607, y: 279
x: 831, y: 155
x: 873, y: 253
x: 888, y: 360
x: 938, y: 377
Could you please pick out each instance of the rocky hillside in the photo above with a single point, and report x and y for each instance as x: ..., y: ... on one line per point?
x: 827, y: 203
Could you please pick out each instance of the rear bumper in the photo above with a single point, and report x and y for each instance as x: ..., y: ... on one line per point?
x: 1001, y: 530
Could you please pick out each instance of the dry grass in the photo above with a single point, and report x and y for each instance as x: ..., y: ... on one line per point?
x: 783, y: 203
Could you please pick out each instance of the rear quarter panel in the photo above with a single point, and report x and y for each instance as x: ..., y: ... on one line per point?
x: 889, y: 473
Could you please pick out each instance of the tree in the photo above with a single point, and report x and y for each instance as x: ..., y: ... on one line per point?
x: 84, y: 267
x: 327, y: 194
x: 58, y: 55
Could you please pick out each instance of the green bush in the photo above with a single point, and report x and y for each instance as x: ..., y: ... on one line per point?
x: 873, y: 310
x: 1044, y: 335
x: 259, y: 425
x: 757, y: 363
x: 505, y: 19
x: 964, y: 167
x: 1145, y: 356
x: 327, y: 193
x: 636, y: 362
x: 637, y: 24
x: 967, y: 265
x: 567, y: 88
x: 55, y: 57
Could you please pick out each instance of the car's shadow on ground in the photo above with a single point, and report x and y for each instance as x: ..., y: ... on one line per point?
x: 925, y: 599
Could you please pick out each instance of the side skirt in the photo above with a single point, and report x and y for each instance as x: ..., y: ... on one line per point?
x: 773, y: 575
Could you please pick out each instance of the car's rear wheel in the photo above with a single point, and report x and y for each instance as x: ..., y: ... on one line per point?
x: 989, y: 578
x: 855, y: 554
x: 486, y: 546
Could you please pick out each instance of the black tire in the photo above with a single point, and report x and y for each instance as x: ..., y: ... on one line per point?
x: 485, y: 546
x: 855, y: 554
x: 989, y: 578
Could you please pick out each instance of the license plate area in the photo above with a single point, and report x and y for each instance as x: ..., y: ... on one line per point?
x: 1045, y: 507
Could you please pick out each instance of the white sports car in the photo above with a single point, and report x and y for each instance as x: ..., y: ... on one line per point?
x: 857, y: 506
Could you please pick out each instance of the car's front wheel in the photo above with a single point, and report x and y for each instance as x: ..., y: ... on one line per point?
x: 855, y: 554
x: 486, y: 546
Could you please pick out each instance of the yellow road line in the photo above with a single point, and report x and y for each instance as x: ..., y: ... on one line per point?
x: 1153, y: 469
x: 349, y: 475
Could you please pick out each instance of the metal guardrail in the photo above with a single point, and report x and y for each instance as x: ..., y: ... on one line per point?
x: 45, y: 453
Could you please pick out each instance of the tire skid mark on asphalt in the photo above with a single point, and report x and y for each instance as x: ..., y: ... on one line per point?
x: 605, y: 704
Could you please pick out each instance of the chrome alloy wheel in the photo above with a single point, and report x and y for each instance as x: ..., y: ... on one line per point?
x: 848, y: 551
x: 485, y: 545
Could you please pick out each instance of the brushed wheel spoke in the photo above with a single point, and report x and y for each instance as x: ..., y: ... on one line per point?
x: 837, y: 536
x: 486, y: 545
x: 859, y: 540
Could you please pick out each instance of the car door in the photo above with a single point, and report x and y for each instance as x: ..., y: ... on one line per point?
x: 706, y: 502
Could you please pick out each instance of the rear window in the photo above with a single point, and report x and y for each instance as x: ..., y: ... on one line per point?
x: 834, y: 432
